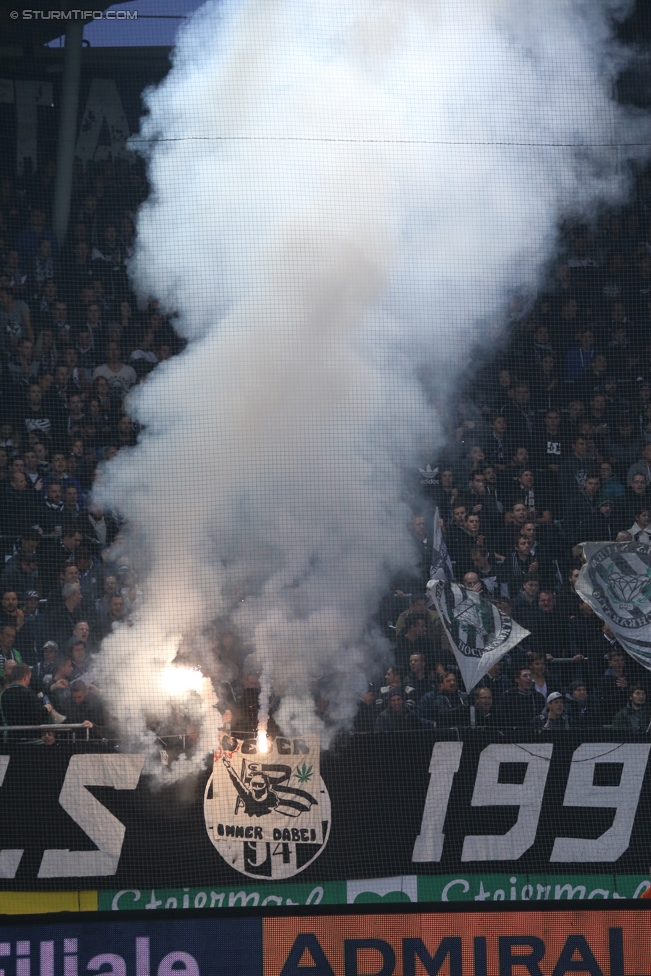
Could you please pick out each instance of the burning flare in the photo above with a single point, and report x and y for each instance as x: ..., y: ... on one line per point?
x: 263, y: 741
x: 178, y: 681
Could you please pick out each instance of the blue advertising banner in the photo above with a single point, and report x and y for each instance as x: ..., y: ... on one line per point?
x: 205, y: 947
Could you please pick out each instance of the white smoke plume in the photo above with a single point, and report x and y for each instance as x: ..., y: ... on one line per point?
x: 342, y: 192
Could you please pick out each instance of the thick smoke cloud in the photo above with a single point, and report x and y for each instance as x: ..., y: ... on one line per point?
x: 342, y: 192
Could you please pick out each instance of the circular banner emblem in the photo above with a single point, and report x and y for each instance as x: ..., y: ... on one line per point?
x: 268, y: 814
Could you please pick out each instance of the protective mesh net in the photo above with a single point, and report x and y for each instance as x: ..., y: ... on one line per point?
x: 305, y: 422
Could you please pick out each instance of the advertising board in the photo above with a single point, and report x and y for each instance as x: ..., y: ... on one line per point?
x: 508, y: 943
x: 392, y: 941
x: 215, y: 947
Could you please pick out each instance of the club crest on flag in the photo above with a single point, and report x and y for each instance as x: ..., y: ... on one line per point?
x: 478, y: 632
x: 616, y: 582
x: 475, y: 625
x: 621, y: 579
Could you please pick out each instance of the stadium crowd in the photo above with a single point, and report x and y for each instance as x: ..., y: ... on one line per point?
x: 547, y: 445
x: 73, y: 343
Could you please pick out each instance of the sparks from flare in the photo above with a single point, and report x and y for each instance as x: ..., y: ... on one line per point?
x: 263, y: 740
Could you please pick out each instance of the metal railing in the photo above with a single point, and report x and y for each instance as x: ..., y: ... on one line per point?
x: 73, y: 727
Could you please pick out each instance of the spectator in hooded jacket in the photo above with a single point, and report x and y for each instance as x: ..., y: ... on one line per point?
x: 85, y: 707
x: 417, y: 681
x: 519, y: 706
x: 584, y: 710
x: 635, y: 716
x: 542, y: 681
x: 519, y: 566
x: 396, y: 717
x: 485, y: 717
x: 19, y: 705
x: 616, y: 684
x: 445, y: 707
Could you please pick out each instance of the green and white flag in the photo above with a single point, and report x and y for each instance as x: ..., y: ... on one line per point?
x: 478, y: 632
x: 441, y: 567
x: 616, y: 582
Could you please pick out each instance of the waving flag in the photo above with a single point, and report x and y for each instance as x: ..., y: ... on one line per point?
x: 441, y: 567
x: 478, y: 632
x: 616, y: 582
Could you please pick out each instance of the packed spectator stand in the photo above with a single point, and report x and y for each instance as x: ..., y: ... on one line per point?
x: 547, y: 445
x: 73, y: 343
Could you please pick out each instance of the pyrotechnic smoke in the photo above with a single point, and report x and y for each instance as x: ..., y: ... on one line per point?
x: 342, y: 192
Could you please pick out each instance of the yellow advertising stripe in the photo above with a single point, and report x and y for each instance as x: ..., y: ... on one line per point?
x: 34, y: 902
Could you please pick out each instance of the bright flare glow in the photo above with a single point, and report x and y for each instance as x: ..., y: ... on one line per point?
x: 263, y: 741
x: 177, y: 681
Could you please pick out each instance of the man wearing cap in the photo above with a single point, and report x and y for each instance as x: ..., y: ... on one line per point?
x: 554, y: 718
x: 45, y: 666
x: 32, y: 634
